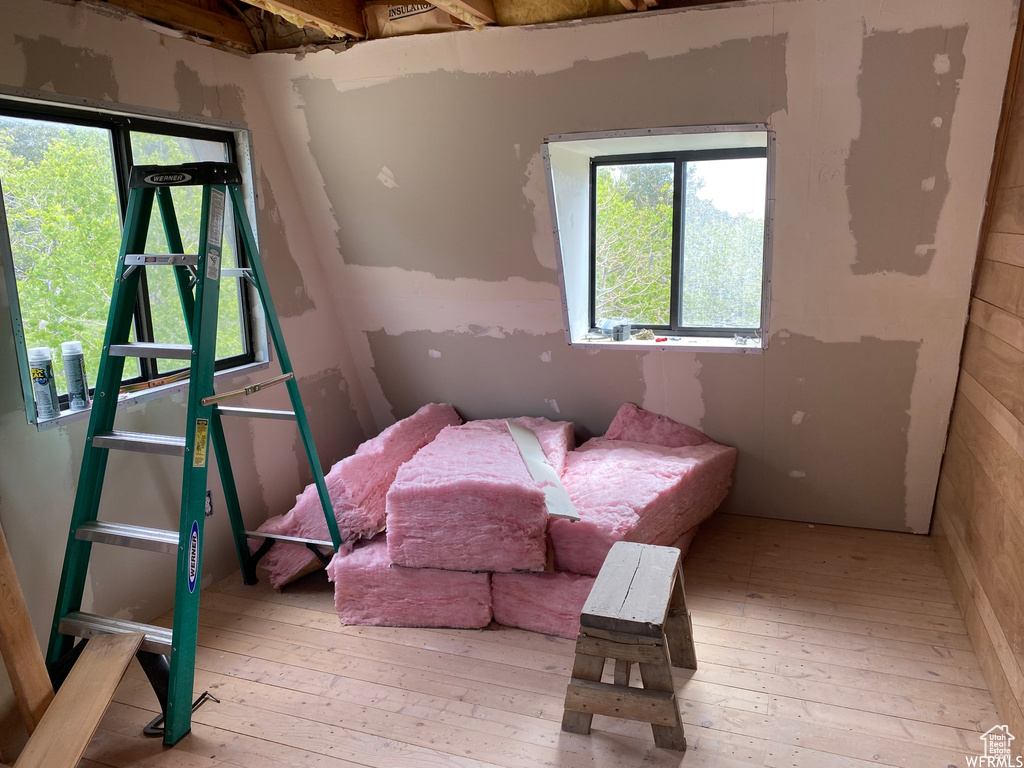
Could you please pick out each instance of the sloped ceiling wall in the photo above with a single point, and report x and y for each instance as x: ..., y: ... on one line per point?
x: 419, y: 164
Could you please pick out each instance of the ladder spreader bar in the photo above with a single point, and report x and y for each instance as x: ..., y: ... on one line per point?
x: 256, y: 413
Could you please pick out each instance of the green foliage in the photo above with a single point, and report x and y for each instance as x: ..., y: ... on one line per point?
x: 65, y: 229
x: 722, y: 254
x: 633, y: 243
x: 64, y: 221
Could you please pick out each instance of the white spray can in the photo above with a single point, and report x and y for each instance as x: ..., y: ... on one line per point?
x: 44, y: 388
x: 74, y: 374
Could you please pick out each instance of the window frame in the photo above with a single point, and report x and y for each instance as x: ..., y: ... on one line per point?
x: 566, y: 158
x: 679, y: 159
x: 120, y: 126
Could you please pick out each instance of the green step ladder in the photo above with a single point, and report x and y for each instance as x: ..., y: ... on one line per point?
x: 168, y: 656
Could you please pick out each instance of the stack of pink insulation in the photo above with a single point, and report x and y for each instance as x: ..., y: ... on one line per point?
x: 357, y: 486
x: 466, y: 502
x: 648, y: 480
x: 368, y: 589
x: 467, y: 528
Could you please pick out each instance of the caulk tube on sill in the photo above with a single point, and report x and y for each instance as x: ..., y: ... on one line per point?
x: 44, y: 388
x: 74, y: 374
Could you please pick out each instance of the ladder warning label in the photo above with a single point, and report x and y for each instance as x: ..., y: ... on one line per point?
x: 199, y: 451
x: 215, y: 230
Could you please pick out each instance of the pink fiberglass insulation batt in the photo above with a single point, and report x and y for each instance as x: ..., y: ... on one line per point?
x: 640, y: 426
x: 369, y: 590
x: 627, y: 491
x: 357, y: 486
x: 467, y: 502
x: 549, y: 602
x: 540, y: 602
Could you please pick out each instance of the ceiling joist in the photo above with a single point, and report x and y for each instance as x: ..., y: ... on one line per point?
x: 481, y: 9
x: 334, y: 17
x: 192, y: 18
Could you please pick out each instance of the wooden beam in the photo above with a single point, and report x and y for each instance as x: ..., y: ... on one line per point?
x: 191, y: 18
x: 482, y: 9
x: 72, y: 719
x: 335, y: 17
x: 19, y: 646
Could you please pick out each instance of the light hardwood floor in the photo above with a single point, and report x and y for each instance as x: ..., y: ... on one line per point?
x: 818, y: 647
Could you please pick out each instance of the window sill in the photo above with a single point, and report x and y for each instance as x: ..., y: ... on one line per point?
x: 691, y: 343
x: 146, y: 395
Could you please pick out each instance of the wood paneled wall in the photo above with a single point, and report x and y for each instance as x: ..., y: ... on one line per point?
x: 979, y: 509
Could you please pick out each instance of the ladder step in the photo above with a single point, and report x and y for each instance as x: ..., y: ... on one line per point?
x: 236, y: 272
x: 79, y: 624
x: 256, y: 413
x: 289, y: 539
x: 168, y: 445
x: 146, y: 349
x: 133, y: 536
x: 161, y: 259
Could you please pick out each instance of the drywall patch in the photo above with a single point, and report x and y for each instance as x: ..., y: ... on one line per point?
x: 52, y: 65
x: 334, y: 422
x: 487, y: 378
x: 221, y: 101
x: 908, y: 82
x: 846, y: 463
x: 290, y: 296
x: 673, y: 385
x: 466, y: 204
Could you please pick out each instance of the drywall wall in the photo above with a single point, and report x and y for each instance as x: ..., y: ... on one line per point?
x: 72, y: 50
x: 425, y: 194
x: 979, y: 508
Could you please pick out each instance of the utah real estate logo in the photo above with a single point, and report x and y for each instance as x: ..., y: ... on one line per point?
x: 997, y: 740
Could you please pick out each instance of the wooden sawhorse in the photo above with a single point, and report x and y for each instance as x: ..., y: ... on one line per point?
x: 636, y: 613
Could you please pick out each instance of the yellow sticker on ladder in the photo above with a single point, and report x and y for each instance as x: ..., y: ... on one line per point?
x: 199, y: 451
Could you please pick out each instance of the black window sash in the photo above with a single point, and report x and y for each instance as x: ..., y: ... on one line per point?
x: 119, y: 128
x: 680, y: 160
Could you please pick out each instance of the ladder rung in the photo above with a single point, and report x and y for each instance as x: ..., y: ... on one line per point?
x: 289, y: 539
x: 133, y: 536
x: 168, y: 445
x: 147, y: 349
x: 256, y: 413
x: 161, y: 259
x: 236, y: 272
x: 79, y: 624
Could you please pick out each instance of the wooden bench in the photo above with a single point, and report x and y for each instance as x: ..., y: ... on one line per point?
x: 636, y: 613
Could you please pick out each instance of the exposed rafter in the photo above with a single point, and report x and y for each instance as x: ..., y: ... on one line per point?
x: 191, y: 18
x: 480, y: 9
x: 335, y: 17
x: 638, y: 5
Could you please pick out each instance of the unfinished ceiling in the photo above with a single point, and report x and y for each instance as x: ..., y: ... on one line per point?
x: 253, y: 26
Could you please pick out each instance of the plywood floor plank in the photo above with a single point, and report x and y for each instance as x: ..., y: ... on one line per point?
x: 818, y: 647
x: 820, y: 599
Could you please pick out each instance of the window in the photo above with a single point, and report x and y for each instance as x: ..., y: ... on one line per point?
x: 64, y: 175
x: 678, y: 238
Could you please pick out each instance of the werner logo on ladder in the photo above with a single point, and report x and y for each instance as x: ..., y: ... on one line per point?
x: 168, y: 656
